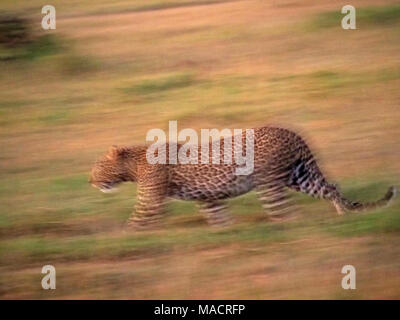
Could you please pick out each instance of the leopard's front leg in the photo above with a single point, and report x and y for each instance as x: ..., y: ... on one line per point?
x: 151, y: 193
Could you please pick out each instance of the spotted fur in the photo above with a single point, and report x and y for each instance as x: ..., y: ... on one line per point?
x: 282, y: 161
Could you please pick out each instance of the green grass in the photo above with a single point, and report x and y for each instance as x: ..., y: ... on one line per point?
x: 158, y: 5
x: 42, y: 46
x: 151, y: 86
x: 382, y: 221
x: 89, y: 247
x: 35, y: 249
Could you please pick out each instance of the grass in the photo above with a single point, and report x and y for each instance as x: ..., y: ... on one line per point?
x: 79, y: 8
x: 382, y: 221
x: 232, y: 64
x: 42, y: 46
x: 161, y: 84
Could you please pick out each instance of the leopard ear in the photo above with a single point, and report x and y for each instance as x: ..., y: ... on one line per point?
x: 113, y: 153
x: 116, y: 152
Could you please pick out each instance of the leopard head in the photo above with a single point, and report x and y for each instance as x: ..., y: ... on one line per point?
x: 111, y: 169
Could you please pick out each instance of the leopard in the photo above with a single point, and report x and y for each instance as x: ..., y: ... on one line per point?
x: 283, y: 162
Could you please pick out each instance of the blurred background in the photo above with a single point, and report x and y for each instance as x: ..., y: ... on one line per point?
x: 112, y: 70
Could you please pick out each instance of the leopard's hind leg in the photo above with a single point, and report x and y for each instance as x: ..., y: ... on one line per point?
x: 306, y: 177
x: 272, y: 191
x: 216, y: 213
